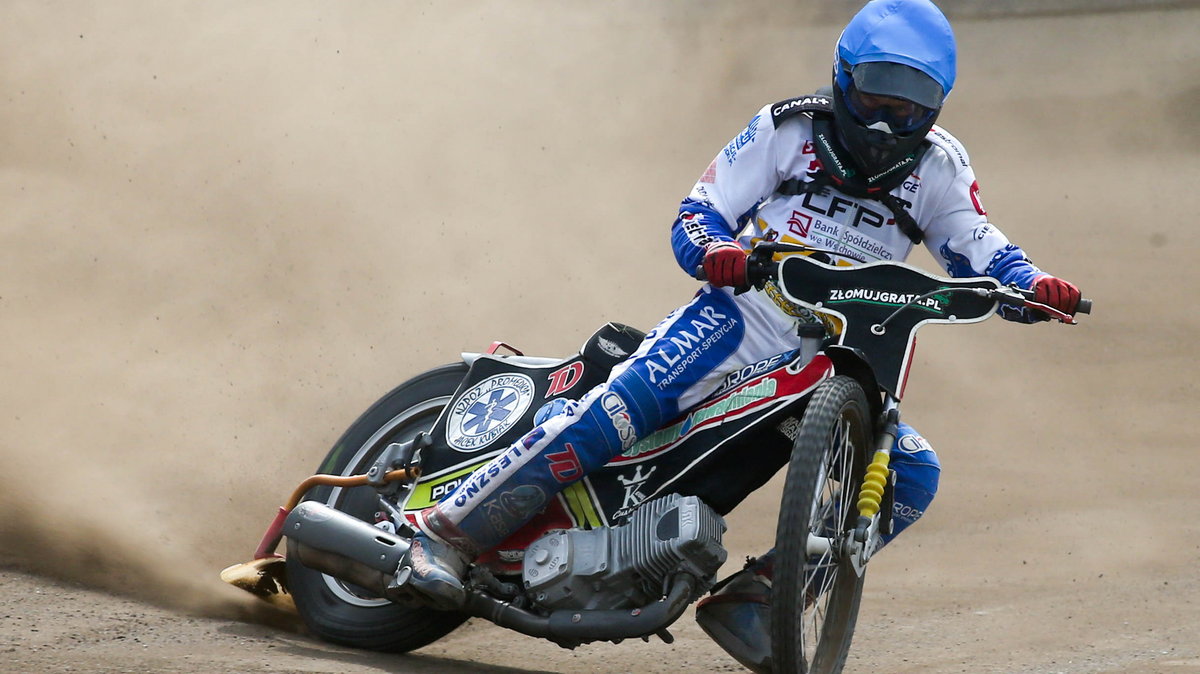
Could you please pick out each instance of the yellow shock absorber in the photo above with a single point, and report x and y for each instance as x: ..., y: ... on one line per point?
x: 871, y: 494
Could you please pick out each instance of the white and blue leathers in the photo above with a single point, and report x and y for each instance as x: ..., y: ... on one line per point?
x: 686, y: 357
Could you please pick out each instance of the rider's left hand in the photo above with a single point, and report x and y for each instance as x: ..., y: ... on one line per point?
x: 1057, y: 293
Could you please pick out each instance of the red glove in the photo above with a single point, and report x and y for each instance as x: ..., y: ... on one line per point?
x: 725, y: 264
x: 1057, y: 293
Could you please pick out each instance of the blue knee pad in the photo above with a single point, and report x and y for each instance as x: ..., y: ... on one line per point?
x: 917, y: 473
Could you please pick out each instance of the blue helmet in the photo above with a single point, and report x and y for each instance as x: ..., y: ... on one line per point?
x: 891, y: 49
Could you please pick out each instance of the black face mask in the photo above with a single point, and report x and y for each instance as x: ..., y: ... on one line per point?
x: 875, y: 152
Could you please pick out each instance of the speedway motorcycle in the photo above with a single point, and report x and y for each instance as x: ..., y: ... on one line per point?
x: 621, y: 553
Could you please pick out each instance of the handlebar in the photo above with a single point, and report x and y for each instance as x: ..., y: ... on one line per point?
x: 761, y: 267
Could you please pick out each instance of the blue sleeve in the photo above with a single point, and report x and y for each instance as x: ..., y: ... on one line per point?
x: 727, y: 195
x: 697, y: 225
x: 959, y: 232
x: 1009, y: 266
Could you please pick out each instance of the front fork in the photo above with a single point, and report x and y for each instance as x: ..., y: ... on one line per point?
x: 875, y: 497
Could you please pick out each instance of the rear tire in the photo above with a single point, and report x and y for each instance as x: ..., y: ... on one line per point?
x: 342, y: 612
x: 814, y: 603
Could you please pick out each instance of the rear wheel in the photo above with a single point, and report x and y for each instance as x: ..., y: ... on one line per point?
x: 345, y: 613
x: 816, y: 593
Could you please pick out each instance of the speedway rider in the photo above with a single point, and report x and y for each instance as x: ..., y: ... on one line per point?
x: 861, y: 170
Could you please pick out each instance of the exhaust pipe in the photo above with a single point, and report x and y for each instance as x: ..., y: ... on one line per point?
x: 349, y: 549
x: 343, y: 546
x: 571, y: 627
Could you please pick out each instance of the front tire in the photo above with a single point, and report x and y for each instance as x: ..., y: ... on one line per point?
x: 815, y: 598
x: 342, y: 612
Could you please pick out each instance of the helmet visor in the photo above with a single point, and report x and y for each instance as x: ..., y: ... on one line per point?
x: 883, y: 78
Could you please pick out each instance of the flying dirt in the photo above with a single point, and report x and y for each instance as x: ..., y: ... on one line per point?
x: 229, y: 228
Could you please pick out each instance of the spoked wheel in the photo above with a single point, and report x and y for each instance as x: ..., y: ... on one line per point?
x: 346, y: 613
x: 816, y: 591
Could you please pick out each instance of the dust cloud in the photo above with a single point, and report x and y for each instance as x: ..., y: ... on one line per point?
x: 229, y: 228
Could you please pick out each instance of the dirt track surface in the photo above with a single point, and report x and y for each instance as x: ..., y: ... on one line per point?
x: 229, y: 227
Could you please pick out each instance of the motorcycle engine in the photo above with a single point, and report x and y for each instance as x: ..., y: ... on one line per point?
x: 628, y: 565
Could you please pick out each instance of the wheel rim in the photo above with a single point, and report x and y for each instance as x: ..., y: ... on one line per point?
x: 834, y: 505
x: 400, y: 428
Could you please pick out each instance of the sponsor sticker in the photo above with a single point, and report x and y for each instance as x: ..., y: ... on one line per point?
x: 693, y: 226
x: 911, y: 444
x: 742, y: 140
x: 933, y: 304
x: 975, y: 198
x: 488, y: 410
x: 610, y: 347
x: 513, y: 507
x: 734, y: 402
x: 790, y: 427
x: 745, y: 374
x: 562, y: 379
x: 783, y: 108
x: 426, y: 494
x: 618, y: 414
x: 799, y: 223
x: 633, y: 490
x: 680, y: 348
x: 565, y: 465
x: 952, y: 144
x: 510, y: 556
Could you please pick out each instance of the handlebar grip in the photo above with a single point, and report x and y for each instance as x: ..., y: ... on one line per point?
x: 1084, y: 306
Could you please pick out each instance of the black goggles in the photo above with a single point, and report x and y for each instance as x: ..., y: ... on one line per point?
x: 901, y: 116
x: 896, y: 109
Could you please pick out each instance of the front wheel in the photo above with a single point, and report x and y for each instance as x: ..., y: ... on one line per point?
x: 345, y: 613
x: 816, y: 592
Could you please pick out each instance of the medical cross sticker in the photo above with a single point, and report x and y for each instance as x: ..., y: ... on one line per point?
x: 483, y: 414
x: 487, y: 410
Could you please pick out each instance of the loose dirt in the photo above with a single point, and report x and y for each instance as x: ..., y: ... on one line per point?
x: 228, y: 227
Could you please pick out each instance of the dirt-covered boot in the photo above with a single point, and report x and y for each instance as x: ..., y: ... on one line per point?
x: 737, y: 615
x: 435, y: 570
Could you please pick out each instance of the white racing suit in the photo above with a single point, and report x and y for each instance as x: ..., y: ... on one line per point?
x: 686, y: 357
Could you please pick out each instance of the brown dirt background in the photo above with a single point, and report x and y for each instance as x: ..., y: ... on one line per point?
x: 228, y: 227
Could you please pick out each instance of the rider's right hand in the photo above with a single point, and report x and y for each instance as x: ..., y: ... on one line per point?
x: 725, y: 264
x: 1057, y: 293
